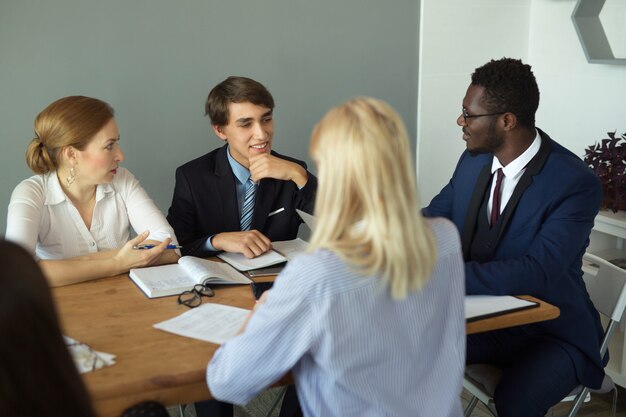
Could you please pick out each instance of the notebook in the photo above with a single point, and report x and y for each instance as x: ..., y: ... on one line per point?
x: 283, y: 251
x: 164, y: 280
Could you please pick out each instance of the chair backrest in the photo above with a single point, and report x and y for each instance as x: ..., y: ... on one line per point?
x: 607, y: 288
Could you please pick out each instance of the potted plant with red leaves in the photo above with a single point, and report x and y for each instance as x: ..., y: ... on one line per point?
x: 608, y: 161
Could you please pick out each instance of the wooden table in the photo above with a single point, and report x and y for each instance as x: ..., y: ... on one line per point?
x: 112, y: 315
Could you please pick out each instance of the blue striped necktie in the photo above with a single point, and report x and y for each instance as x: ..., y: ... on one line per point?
x: 248, y: 205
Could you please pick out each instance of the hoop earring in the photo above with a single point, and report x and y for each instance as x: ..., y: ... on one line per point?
x: 72, y: 177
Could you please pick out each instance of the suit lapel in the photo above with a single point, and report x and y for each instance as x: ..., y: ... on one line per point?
x: 263, y: 203
x: 533, y: 168
x: 469, y: 226
x: 227, y: 191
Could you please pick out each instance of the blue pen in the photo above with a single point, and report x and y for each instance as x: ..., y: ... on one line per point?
x: 151, y: 246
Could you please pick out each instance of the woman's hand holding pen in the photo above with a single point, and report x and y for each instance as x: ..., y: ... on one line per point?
x: 127, y: 257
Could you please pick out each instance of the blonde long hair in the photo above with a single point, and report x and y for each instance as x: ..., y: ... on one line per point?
x: 366, y: 206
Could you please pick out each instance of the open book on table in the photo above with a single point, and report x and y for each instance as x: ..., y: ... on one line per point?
x: 163, y: 280
x: 282, y: 252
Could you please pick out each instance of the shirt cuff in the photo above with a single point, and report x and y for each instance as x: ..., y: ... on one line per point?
x: 209, y: 246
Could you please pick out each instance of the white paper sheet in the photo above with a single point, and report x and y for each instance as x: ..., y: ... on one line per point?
x: 290, y: 248
x: 308, y: 219
x: 210, y: 322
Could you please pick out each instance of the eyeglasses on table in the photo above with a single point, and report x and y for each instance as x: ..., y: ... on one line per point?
x: 193, y: 298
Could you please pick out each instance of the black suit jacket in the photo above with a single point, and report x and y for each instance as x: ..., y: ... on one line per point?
x: 205, y: 203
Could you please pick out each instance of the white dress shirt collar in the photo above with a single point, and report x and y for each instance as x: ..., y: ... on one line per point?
x: 518, y: 164
x: 512, y: 173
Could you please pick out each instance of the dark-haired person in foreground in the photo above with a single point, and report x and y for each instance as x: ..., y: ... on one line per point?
x: 38, y: 377
x: 241, y: 196
x: 531, y: 243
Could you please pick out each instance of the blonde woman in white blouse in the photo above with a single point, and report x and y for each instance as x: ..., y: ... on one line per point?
x: 74, y: 215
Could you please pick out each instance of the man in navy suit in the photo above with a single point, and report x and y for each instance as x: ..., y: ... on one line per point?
x: 210, y: 191
x: 524, y: 234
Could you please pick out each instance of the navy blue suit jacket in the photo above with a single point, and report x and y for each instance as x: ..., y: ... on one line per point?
x: 539, y: 249
x: 205, y: 203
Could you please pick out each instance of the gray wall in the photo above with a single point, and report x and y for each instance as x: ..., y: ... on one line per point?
x: 155, y: 61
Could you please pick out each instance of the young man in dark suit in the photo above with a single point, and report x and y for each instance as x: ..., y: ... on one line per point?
x: 243, y: 178
x: 242, y: 196
x: 524, y: 206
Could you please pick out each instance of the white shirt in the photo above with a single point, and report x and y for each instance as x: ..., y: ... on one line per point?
x: 44, y: 220
x: 512, y: 174
x: 353, y: 350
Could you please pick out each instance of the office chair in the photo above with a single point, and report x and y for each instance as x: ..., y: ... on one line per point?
x: 607, y: 290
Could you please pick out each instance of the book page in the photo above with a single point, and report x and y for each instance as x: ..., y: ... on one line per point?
x: 214, y: 323
x: 478, y: 306
x: 162, y: 280
x: 203, y: 270
x: 290, y: 248
x: 242, y: 263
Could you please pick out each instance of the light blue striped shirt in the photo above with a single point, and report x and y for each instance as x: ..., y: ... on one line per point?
x: 353, y: 350
x: 242, y: 175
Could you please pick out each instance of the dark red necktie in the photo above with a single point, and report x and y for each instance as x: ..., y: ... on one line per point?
x: 495, y: 201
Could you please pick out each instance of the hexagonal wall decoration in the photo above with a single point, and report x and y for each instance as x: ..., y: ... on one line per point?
x: 586, y: 18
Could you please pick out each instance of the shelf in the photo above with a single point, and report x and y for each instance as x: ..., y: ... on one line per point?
x: 586, y: 19
x: 611, y: 223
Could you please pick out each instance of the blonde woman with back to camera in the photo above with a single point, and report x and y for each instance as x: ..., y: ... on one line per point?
x: 75, y: 214
x: 371, y: 320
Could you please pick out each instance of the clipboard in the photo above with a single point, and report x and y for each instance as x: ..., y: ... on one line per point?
x: 480, y: 307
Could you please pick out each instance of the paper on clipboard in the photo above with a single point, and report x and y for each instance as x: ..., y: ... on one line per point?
x: 479, y: 307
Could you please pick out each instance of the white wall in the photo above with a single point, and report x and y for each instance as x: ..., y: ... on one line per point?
x: 579, y: 102
x: 456, y: 37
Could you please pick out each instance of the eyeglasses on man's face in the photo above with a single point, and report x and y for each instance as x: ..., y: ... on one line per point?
x: 466, y: 115
x: 193, y: 298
